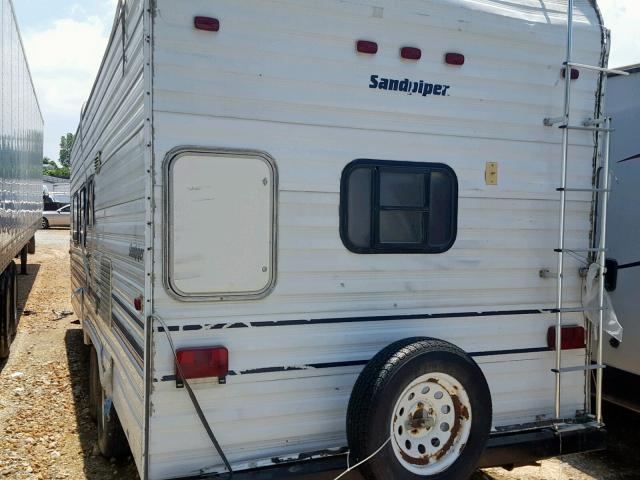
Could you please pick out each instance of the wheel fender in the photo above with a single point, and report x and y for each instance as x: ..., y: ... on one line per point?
x: 105, y: 365
x: 105, y: 361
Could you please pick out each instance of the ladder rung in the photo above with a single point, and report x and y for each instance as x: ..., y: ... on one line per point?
x: 594, y: 121
x: 579, y: 250
x: 588, y: 129
x: 560, y: 189
x: 597, y: 69
x: 581, y: 368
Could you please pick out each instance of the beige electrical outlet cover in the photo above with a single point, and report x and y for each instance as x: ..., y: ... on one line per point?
x: 491, y: 173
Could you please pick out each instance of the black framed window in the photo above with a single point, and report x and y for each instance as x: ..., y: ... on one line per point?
x: 398, y: 207
x: 74, y: 217
x: 91, y: 209
x: 82, y: 217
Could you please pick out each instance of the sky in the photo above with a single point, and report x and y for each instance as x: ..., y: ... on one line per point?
x: 65, y: 41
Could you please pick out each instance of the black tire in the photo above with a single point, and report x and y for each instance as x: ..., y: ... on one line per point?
x: 95, y: 389
x: 379, y: 387
x: 112, y: 441
x: 32, y: 246
x: 45, y: 223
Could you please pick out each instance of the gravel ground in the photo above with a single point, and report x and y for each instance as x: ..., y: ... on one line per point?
x: 46, y: 432
x: 45, y: 427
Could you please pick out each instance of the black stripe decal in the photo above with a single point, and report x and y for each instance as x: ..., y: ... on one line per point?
x: 138, y: 350
x: 632, y: 157
x: 510, y: 352
x: 352, y: 363
x: 131, y: 314
x: 629, y: 265
x: 325, y: 321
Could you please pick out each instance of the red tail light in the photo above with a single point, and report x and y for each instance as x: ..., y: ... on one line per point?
x: 365, y: 46
x: 202, y: 363
x: 410, y: 53
x: 575, y: 73
x: 207, y: 23
x: 573, y: 337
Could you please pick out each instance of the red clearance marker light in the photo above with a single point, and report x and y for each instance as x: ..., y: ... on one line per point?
x: 573, y: 337
x: 202, y: 363
x: 454, y: 59
x: 207, y: 23
x: 365, y: 46
x: 575, y: 73
x: 410, y: 53
x: 137, y: 303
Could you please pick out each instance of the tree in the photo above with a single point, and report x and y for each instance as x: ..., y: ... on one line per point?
x: 66, y: 144
x: 51, y: 168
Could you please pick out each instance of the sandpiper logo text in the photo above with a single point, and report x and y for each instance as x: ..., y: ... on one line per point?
x: 408, y: 86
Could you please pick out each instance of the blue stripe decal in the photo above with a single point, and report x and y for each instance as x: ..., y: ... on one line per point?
x: 131, y: 342
x: 325, y: 321
x: 315, y: 366
x: 129, y: 313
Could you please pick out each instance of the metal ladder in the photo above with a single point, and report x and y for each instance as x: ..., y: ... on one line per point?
x: 602, y: 128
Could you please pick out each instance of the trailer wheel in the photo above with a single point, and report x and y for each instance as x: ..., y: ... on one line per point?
x: 32, y: 246
x: 111, y: 438
x: 429, y: 401
x: 95, y: 389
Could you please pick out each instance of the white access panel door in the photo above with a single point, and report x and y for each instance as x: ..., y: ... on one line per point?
x: 221, y: 212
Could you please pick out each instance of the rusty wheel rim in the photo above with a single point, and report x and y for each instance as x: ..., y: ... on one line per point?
x: 430, y: 424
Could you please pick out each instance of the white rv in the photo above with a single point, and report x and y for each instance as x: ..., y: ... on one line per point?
x: 21, y: 139
x: 307, y: 228
x: 623, y: 358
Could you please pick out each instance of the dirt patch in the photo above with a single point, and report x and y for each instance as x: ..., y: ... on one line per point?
x: 45, y: 426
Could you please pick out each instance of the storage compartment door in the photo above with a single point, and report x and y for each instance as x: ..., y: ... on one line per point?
x: 221, y: 224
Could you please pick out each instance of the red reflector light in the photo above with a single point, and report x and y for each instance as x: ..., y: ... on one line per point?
x: 365, y: 46
x: 207, y: 23
x: 573, y: 337
x: 454, y: 59
x: 575, y: 73
x: 137, y: 303
x: 202, y: 363
x: 410, y: 53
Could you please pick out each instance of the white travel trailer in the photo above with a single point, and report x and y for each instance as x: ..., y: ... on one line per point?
x: 623, y: 358
x: 303, y: 228
x: 21, y: 128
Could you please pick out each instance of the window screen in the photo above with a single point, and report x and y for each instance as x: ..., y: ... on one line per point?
x: 398, y: 207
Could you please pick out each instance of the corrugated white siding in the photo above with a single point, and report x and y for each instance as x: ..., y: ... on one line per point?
x: 112, y: 126
x: 21, y: 137
x: 283, y: 77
